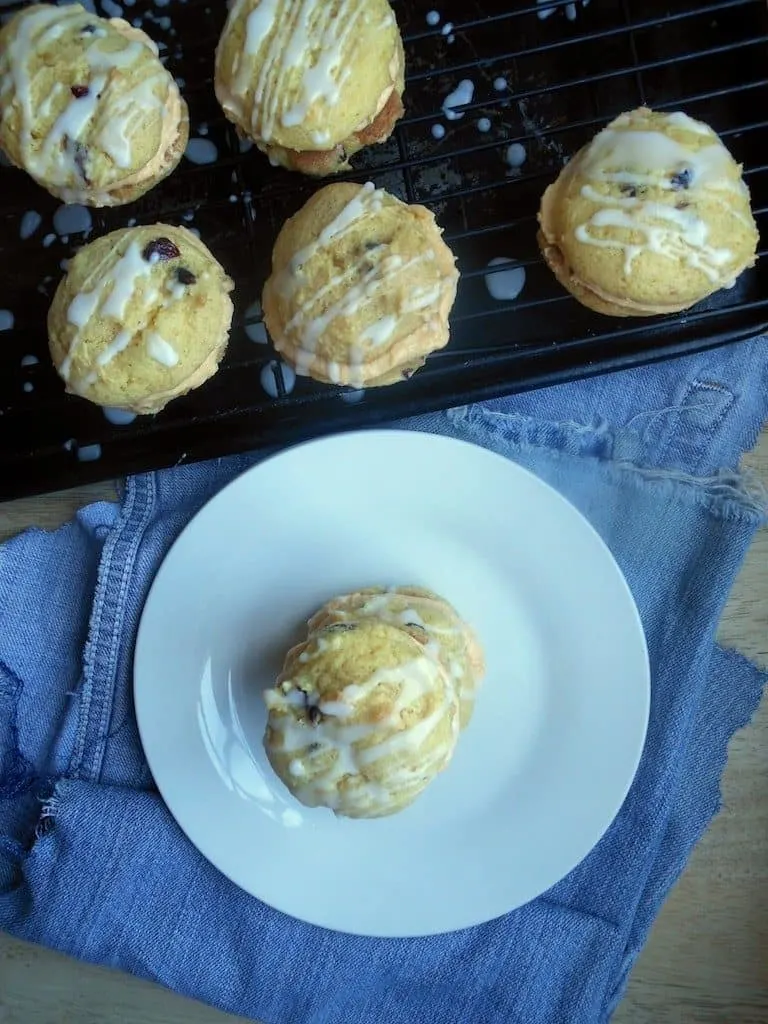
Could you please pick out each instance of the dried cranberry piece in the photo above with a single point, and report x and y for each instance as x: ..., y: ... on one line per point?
x: 681, y: 179
x: 184, y: 276
x: 78, y: 91
x: 78, y: 153
x: 159, y: 250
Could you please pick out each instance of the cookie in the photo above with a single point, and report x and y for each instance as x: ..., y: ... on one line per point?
x: 651, y: 217
x: 142, y: 316
x: 427, y: 617
x: 311, y: 82
x: 361, y: 287
x: 361, y: 720
x: 86, y: 107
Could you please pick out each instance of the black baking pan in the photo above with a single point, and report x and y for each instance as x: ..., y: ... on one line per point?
x: 545, y: 76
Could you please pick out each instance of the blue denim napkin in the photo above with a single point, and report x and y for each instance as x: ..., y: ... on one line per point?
x: 92, y: 863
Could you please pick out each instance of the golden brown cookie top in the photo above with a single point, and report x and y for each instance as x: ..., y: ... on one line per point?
x: 87, y: 107
x: 307, y: 74
x: 427, y: 617
x: 653, y: 211
x: 361, y: 718
x: 361, y: 283
x: 139, y: 313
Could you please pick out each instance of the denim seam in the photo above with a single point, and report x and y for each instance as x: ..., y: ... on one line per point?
x: 100, y: 662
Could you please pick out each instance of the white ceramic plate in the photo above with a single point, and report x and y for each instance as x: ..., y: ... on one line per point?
x: 559, y: 723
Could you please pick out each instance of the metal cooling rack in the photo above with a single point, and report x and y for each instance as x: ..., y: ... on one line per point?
x: 568, y: 68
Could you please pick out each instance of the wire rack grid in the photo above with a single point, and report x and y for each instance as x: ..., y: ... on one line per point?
x: 539, y: 79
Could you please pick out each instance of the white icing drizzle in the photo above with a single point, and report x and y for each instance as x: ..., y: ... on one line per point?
x: 161, y: 351
x: 312, y: 37
x: 69, y: 125
x: 421, y: 298
x: 398, y: 609
x: 120, y: 343
x: 131, y: 106
x: 674, y: 231
x: 680, y: 120
x: 380, y: 331
x: 107, y: 294
x: 369, y: 200
x: 37, y: 29
x: 354, y: 755
x: 109, y: 124
x: 358, y: 290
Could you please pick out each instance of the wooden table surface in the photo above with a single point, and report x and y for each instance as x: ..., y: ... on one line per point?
x: 705, y: 963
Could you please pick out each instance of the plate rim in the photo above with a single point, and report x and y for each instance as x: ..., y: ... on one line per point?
x: 395, y: 435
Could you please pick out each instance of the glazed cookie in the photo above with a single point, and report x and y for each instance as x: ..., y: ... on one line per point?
x: 141, y: 317
x: 426, y: 616
x: 361, y: 287
x: 361, y: 720
x: 651, y: 217
x: 86, y: 107
x: 311, y: 81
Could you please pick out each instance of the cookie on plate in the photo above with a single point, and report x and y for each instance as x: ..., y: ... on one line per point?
x: 428, y: 618
x: 86, y: 107
x: 649, y: 218
x: 361, y: 720
x: 311, y: 82
x: 361, y: 287
x: 141, y: 317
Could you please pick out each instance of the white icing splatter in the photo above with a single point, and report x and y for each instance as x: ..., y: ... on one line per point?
x: 433, y: 18
x: 30, y: 222
x: 28, y: 387
x: 484, y: 124
x: 447, y: 28
x: 515, y: 155
x: 462, y: 94
x: 505, y: 285
x: 49, y: 240
x: 268, y: 378
x: 6, y: 320
x: 72, y: 219
x: 201, y: 151
x: 547, y: 9
x: 438, y: 131
x: 118, y: 417
x: 89, y: 453
x: 353, y: 397
x: 30, y: 361
x: 111, y: 9
x: 500, y: 84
